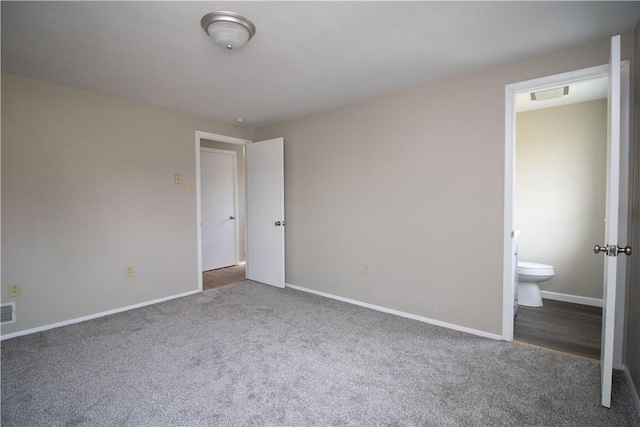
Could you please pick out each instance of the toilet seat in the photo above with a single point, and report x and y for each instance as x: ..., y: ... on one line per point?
x: 535, y: 269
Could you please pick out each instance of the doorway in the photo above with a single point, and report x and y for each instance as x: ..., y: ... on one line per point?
x: 261, y: 206
x: 263, y: 197
x: 559, y: 208
x: 234, y: 259
x: 510, y: 269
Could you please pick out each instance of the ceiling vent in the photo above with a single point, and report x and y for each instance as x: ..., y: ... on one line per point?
x: 545, y: 95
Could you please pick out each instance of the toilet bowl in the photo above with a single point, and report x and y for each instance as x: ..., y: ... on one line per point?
x: 530, y: 274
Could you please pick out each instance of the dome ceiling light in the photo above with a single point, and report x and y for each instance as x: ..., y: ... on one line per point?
x: 227, y: 29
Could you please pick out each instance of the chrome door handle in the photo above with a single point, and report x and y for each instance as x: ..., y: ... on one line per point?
x: 597, y: 249
x: 612, y: 250
x: 626, y: 250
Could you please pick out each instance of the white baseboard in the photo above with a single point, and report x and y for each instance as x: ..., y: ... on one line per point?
x: 556, y: 296
x: 634, y: 387
x: 242, y: 263
x: 93, y: 316
x: 399, y: 313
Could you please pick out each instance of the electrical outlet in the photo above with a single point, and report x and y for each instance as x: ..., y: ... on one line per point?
x: 129, y: 271
x: 15, y: 290
x: 177, y: 178
x: 190, y: 189
x: 366, y: 268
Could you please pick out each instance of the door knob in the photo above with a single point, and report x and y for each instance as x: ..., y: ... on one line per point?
x: 597, y: 249
x: 612, y: 250
x: 232, y: 217
x: 626, y: 250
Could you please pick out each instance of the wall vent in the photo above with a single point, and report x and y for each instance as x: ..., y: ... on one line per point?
x: 545, y: 95
x: 7, y: 313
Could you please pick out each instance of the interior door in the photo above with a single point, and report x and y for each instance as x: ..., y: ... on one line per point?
x: 612, y: 239
x: 218, y: 190
x: 265, y: 211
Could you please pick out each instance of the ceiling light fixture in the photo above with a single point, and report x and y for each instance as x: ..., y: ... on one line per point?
x: 228, y: 29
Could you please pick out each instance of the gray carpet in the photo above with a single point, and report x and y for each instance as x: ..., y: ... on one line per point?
x: 250, y: 354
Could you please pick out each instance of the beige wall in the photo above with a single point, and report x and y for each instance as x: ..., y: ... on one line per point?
x: 87, y: 188
x: 239, y: 149
x: 413, y: 184
x: 561, y: 158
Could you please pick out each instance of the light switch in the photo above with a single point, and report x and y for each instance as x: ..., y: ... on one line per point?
x: 177, y: 178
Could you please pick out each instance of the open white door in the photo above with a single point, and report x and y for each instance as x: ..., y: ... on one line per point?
x: 612, y: 237
x: 265, y: 212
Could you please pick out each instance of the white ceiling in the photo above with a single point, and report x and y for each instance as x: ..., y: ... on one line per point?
x: 305, y: 57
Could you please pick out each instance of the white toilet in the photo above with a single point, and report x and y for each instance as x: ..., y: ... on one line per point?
x: 530, y: 274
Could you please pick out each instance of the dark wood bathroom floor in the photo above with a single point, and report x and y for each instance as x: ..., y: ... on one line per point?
x: 563, y: 326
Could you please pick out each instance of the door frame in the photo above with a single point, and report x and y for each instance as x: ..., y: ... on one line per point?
x: 199, y: 136
x: 509, y: 269
x: 236, y: 234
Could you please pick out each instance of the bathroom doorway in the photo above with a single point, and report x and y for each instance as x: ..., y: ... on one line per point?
x: 559, y: 209
x: 509, y: 271
x: 617, y: 206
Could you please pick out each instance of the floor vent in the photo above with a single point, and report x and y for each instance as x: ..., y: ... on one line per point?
x: 7, y: 313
